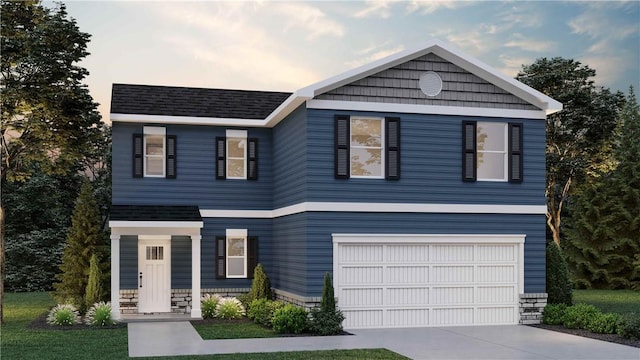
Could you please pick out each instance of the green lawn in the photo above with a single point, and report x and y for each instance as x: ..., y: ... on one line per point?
x: 17, y: 341
x: 236, y: 331
x: 615, y: 301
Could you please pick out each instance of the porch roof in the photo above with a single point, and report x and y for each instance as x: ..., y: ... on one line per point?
x: 155, y: 213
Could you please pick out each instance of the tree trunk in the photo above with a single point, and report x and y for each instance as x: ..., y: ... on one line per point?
x: 554, y: 211
x: 1, y: 262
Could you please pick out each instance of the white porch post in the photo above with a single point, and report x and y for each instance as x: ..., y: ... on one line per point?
x: 115, y: 276
x: 196, y: 312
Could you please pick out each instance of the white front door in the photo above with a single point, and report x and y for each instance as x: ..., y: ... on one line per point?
x: 154, y: 274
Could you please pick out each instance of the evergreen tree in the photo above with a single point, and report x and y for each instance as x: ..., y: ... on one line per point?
x: 94, y: 292
x: 261, y: 285
x: 84, y: 239
x: 604, y: 234
x: 559, y: 287
x: 328, y: 302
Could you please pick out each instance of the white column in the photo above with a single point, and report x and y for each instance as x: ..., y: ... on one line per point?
x: 196, y: 312
x: 115, y: 276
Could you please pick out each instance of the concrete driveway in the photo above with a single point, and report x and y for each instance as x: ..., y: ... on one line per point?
x: 464, y: 342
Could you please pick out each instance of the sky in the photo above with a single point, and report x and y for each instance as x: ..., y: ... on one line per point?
x: 285, y: 46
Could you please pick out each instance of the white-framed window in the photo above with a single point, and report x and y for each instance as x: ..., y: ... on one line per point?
x: 236, y: 154
x: 367, y: 147
x: 236, y: 250
x: 492, y: 154
x: 154, y: 151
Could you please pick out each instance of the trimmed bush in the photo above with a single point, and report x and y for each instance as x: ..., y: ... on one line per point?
x: 553, y: 314
x: 245, y: 300
x: 559, y: 286
x: 229, y: 308
x: 260, y: 286
x: 208, y: 304
x: 63, y: 315
x: 261, y: 311
x: 326, y: 319
x: 604, y: 323
x: 579, y: 316
x: 629, y: 327
x: 99, y: 314
x: 94, y: 292
x: 290, y: 319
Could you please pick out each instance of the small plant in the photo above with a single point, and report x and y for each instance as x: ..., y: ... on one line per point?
x: 63, y: 315
x: 290, y: 319
x: 261, y: 311
x: 554, y: 314
x: 629, y: 327
x: 93, y: 293
x: 326, y: 319
x: 579, y: 316
x: 260, y: 286
x: 604, y: 323
x: 208, y: 304
x: 229, y: 308
x: 245, y: 299
x: 99, y: 315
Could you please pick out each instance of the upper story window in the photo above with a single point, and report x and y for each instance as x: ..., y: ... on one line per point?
x: 367, y: 147
x: 154, y: 153
x: 236, y: 156
x: 492, y: 151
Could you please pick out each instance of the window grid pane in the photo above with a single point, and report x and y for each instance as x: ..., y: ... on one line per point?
x: 492, y: 151
x: 154, y: 155
x: 236, y: 256
x: 236, y: 158
x: 367, y: 147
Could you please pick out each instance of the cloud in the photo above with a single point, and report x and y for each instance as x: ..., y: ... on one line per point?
x: 373, y: 53
x: 431, y: 6
x: 512, y: 65
x: 522, y: 15
x: 376, y: 8
x: 608, y: 67
x: 593, y: 24
x: 521, y: 42
x: 308, y: 18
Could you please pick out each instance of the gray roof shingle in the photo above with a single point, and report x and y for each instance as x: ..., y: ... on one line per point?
x: 195, y: 102
x: 154, y: 213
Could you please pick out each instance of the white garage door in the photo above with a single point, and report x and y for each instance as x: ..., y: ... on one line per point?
x: 427, y: 280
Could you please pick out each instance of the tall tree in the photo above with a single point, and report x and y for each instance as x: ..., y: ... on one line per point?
x: 604, y: 232
x: 85, y: 238
x: 579, y: 136
x: 48, y: 117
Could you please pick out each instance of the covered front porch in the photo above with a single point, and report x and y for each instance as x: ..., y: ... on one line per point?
x: 142, y: 264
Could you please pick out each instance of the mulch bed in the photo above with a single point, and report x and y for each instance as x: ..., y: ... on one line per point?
x: 614, y: 338
x: 246, y: 320
x: 40, y: 323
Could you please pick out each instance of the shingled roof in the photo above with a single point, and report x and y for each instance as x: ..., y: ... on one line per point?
x: 154, y: 213
x: 195, y: 102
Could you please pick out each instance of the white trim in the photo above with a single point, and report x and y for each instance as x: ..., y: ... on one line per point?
x: 340, y: 238
x: 156, y: 224
x: 154, y: 130
x: 196, y: 311
x: 424, y: 109
x: 236, y: 133
x: 186, y: 120
x: 375, y: 207
x: 115, y: 276
x: 236, y: 232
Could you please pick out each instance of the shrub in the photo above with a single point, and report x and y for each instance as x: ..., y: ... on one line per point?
x: 290, y: 319
x: 261, y: 311
x: 629, y: 327
x: 208, y: 304
x: 559, y: 286
x: 99, y: 315
x: 604, y: 324
x: 326, y: 319
x: 553, y: 314
x: 64, y: 314
x: 244, y: 300
x: 260, y: 286
x: 229, y: 308
x: 93, y: 293
x: 579, y: 316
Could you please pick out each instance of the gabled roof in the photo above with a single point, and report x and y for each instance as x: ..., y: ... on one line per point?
x: 194, y: 102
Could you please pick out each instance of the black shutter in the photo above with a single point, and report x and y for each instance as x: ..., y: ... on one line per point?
x: 515, y: 153
x: 392, y: 133
x: 172, y: 170
x: 342, y: 156
x: 469, y: 156
x: 221, y: 158
x: 221, y: 257
x: 137, y: 156
x: 252, y: 255
x: 252, y: 159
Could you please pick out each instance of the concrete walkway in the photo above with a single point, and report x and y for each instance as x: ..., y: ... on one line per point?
x: 464, y: 342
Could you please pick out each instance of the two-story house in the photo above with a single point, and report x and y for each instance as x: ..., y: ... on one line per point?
x: 417, y: 181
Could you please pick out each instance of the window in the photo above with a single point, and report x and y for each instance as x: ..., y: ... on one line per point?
x: 367, y: 147
x: 491, y: 151
x: 236, y: 254
x: 237, y: 156
x: 154, y: 153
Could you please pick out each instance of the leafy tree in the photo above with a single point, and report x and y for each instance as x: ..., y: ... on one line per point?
x: 604, y: 234
x: 579, y: 136
x: 85, y: 239
x: 559, y: 285
x: 48, y: 117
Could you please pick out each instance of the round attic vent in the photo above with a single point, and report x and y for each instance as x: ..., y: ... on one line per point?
x: 430, y: 83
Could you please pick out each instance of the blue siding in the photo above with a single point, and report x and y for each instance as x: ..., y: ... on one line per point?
x: 260, y: 228
x: 128, y: 262
x: 320, y: 226
x: 181, y: 262
x: 289, y: 253
x: 431, y: 164
x: 196, y: 183
x: 290, y: 160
